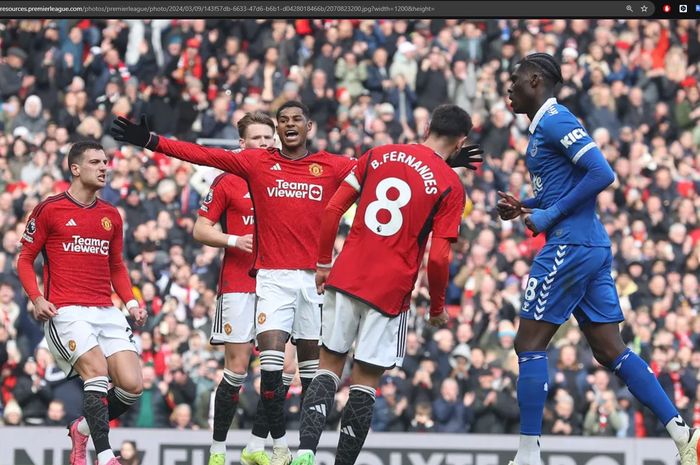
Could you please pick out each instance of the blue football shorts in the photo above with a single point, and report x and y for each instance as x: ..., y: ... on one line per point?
x: 566, y: 279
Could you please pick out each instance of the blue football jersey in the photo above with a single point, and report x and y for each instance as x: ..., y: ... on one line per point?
x: 557, y: 142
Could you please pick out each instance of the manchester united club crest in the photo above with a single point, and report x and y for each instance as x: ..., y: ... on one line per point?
x: 262, y: 318
x: 315, y: 169
x: 227, y: 328
x: 106, y: 224
x: 71, y: 345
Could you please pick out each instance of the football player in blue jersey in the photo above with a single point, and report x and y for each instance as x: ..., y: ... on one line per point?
x: 572, y: 273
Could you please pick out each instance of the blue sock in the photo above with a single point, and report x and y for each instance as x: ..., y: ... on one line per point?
x: 643, y: 385
x: 532, y: 391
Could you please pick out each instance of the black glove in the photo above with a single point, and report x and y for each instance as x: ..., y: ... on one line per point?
x: 138, y: 134
x: 466, y: 157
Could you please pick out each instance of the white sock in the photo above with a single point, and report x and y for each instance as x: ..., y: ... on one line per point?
x: 255, y: 444
x: 301, y: 452
x: 678, y: 430
x: 281, y: 442
x: 105, y: 456
x: 83, y: 427
x: 218, y: 447
x: 528, y: 451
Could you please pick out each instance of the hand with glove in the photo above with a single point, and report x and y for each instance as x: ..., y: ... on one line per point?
x: 466, y: 157
x: 138, y: 134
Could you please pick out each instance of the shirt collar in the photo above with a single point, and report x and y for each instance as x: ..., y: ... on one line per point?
x: 550, y: 102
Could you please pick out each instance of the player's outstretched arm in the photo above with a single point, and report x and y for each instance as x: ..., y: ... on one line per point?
x: 205, y: 232
x: 343, y: 198
x: 139, y: 134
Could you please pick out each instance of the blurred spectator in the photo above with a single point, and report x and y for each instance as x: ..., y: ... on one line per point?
x: 603, y: 417
x: 391, y: 408
x: 452, y: 413
x: 129, y: 454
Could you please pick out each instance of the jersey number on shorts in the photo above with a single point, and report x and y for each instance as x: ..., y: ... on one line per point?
x: 530, y: 289
x: 392, y: 206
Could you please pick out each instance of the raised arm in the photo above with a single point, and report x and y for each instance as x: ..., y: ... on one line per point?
x: 138, y: 134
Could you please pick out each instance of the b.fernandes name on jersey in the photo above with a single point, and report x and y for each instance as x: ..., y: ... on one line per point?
x: 423, y: 170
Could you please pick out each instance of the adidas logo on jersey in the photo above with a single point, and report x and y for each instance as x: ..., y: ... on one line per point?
x: 320, y: 408
x: 276, y: 167
x: 71, y: 222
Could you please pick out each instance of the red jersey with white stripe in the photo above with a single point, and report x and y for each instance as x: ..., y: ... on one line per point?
x: 288, y: 196
x: 78, y: 243
x: 406, y: 192
x: 228, y: 203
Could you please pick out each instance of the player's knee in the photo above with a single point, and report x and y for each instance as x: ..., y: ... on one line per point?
x: 605, y: 356
x: 135, y: 388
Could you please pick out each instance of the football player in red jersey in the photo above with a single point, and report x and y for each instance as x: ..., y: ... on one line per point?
x: 408, y: 191
x: 228, y: 203
x: 80, y: 238
x: 289, y: 189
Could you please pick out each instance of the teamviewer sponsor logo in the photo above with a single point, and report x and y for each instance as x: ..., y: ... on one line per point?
x: 296, y: 190
x: 87, y: 245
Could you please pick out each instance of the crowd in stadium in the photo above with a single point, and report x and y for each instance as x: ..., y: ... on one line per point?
x: 634, y: 84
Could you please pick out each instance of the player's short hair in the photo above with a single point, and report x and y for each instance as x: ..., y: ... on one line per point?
x: 545, y: 63
x: 450, y: 120
x: 294, y: 104
x: 254, y: 117
x: 77, y: 150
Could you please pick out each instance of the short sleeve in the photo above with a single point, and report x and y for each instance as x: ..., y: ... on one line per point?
x: 449, y: 216
x: 564, y: 134
x: 214, y: 203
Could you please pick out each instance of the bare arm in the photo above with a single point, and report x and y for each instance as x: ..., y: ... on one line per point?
x: 206, y: 233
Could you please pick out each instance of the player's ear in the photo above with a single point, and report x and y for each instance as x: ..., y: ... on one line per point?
x: 241, y: 143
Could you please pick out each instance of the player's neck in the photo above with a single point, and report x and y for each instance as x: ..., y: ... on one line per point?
x: 538, y: 104
x: 81, y: 194
x: 442, y: 149
x: 294, y: 154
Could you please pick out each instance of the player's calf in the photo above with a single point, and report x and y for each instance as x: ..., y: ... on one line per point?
x: 272, y: 393
x: 355, y: 423
x: 318, y: 402
x: 97, y: 416
x: 225, y: 404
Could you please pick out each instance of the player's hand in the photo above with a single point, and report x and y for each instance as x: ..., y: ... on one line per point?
x: 43, y: 309
x: 139, y: 315
x: 124, y: 130
x: 321, y: 278
x: 439, y: 320
x: 538, y: 220
x: 527, y: 219
x: 245, y: 243
x: 467, y: 157
x: 508, y: 207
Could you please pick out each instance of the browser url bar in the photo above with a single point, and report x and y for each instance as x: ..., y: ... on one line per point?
x: 331, y: 9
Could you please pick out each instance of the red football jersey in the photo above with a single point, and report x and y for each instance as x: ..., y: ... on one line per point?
x: 407, y: 191
x: 78, y: 244
x: 288, y: 195
x: 228, y: 203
